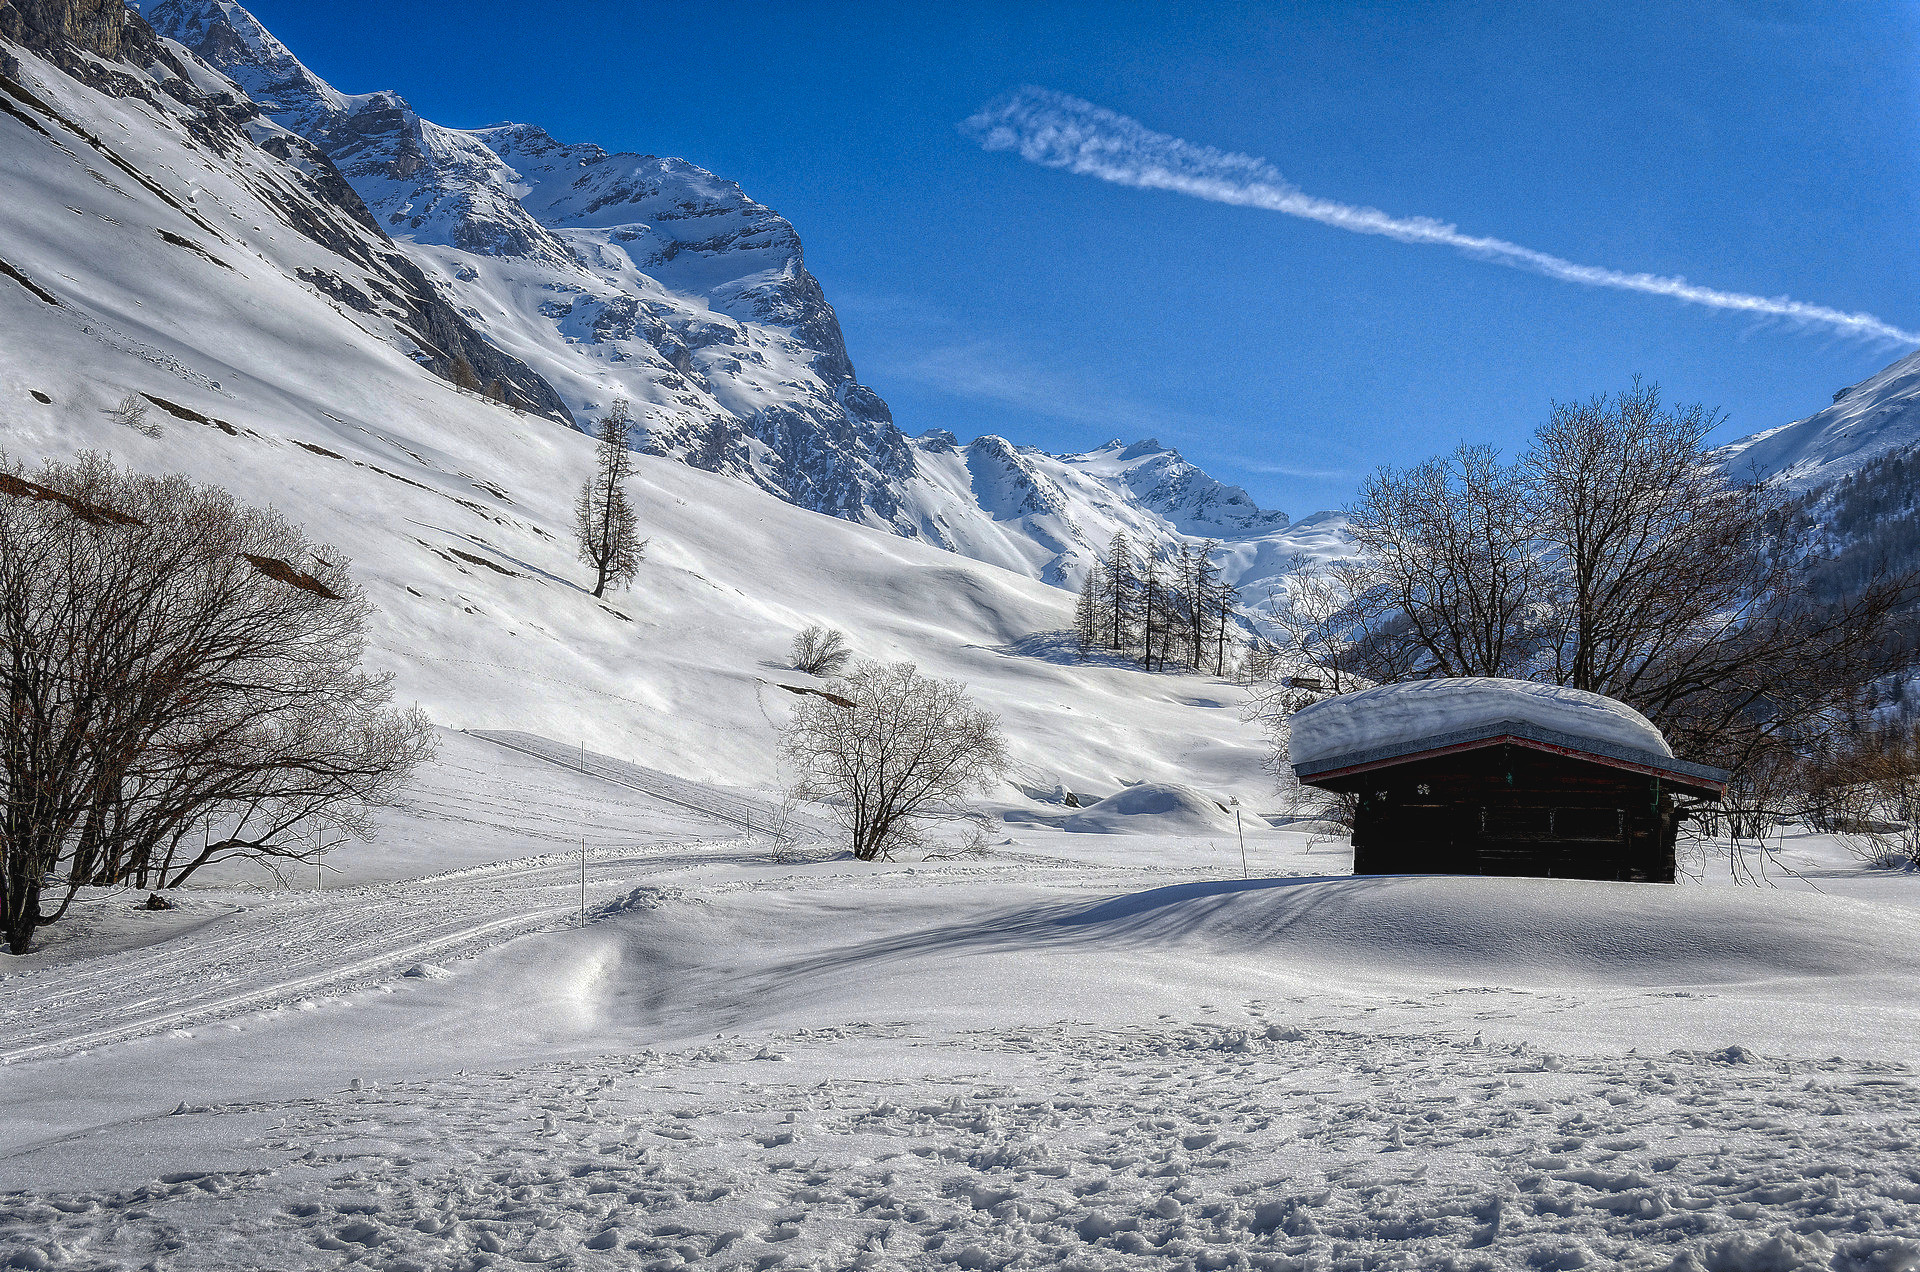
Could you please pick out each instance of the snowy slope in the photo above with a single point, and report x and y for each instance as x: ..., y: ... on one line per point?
x: 1869, y: 420
x: 1051, y: 516
x: 456, y: 509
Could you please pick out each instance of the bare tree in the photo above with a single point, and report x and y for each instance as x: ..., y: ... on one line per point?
x: 604, y: 522
x: 131, y: 412
x: 820, y: 651
x: 1452, y: 561
x: 1088, y: 610
x: 907, y: 751
x: 179, y: 668
x: 1615, y: 556
x: 1875, y: 787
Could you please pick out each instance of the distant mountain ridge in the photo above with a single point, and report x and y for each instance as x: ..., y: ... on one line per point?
x: 1868, y: 421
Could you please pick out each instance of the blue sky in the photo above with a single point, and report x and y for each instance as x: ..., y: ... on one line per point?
x: 1771, y: 149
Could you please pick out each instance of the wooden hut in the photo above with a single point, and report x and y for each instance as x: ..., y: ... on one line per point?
x: 1501, y: 777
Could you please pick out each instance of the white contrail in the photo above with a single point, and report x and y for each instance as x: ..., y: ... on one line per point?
x: 1058, y: 131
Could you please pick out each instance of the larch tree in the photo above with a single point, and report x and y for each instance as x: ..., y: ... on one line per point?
x: 1122, y: 582
x: 608, y: 533
x: 1087, y: 610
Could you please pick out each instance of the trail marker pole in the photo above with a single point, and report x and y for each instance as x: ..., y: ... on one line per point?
x: 1241, y: 830
x: 583, y: 876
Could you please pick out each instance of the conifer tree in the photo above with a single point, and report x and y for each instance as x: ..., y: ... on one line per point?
x: 603, y: 517
x: 1153, y: 613
x: 1202, y: 602
x: 1121, y: 582
x: 1087, y: 610
x: 1225, y: 600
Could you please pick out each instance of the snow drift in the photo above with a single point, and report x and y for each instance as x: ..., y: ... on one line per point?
x: 1518, y: 931
x: 1158, y: 808
x: 1391, y: 715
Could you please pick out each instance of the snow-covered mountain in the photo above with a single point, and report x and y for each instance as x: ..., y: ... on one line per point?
x: 622, y: 275
x: 1050, y: 516
x: 614, y: 275
x: 1867, y: 421
x: 158, y: 238
x: 223, y: 173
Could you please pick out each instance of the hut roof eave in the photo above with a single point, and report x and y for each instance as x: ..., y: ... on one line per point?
x: 1700, y: 779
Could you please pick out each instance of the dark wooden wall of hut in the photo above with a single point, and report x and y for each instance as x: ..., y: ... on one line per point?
x: 1510, y: 810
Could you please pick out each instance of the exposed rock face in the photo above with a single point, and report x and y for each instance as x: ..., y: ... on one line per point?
x: 622, y: 276
x: 56, y: 28
x: 109, y: 47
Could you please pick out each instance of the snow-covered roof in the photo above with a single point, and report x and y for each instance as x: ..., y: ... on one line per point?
x: 1427, y: 715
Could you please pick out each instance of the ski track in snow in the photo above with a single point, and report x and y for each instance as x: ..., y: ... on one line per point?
x: 275, y: 953
x: 1183, y: 1146
x: 279, y: 950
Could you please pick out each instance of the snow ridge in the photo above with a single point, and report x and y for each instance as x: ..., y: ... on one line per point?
x: 1868, y: 420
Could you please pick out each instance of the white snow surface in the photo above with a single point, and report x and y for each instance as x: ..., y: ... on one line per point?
x: 1060, y: 1051
x: 1388, y: 715
x: 1158, y: 808
x: 456, y: 512
x: 1047, y: 1054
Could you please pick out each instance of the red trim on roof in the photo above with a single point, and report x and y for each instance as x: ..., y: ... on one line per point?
x: 1717, y: 789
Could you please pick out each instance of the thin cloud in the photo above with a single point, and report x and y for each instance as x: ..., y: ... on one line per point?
x: 921, y: 345
x: 1058, y: 131
x: 1286, y: 470
x: 983, y: 372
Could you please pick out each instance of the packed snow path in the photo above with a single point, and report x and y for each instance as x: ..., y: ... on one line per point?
x: 277, y: 951
x: 235, y: 951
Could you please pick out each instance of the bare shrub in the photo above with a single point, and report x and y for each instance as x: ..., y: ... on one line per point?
x: 180, y: 691
x: 907, y: 751
x: 1875, y: 787
x: 820, y: 651
x: 132, y: 412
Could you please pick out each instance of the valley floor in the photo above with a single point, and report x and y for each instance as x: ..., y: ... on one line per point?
x: 1073, y: 1051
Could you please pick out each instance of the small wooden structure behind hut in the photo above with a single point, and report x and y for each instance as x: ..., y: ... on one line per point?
x: 1501, y: 777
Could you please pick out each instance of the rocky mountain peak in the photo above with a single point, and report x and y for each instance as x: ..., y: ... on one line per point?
x: 616, y: 275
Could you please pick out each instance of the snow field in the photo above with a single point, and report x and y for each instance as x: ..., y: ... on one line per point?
x: 1163, y: 808
x: 1165, y: 1145
x: 1018, y: 1059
